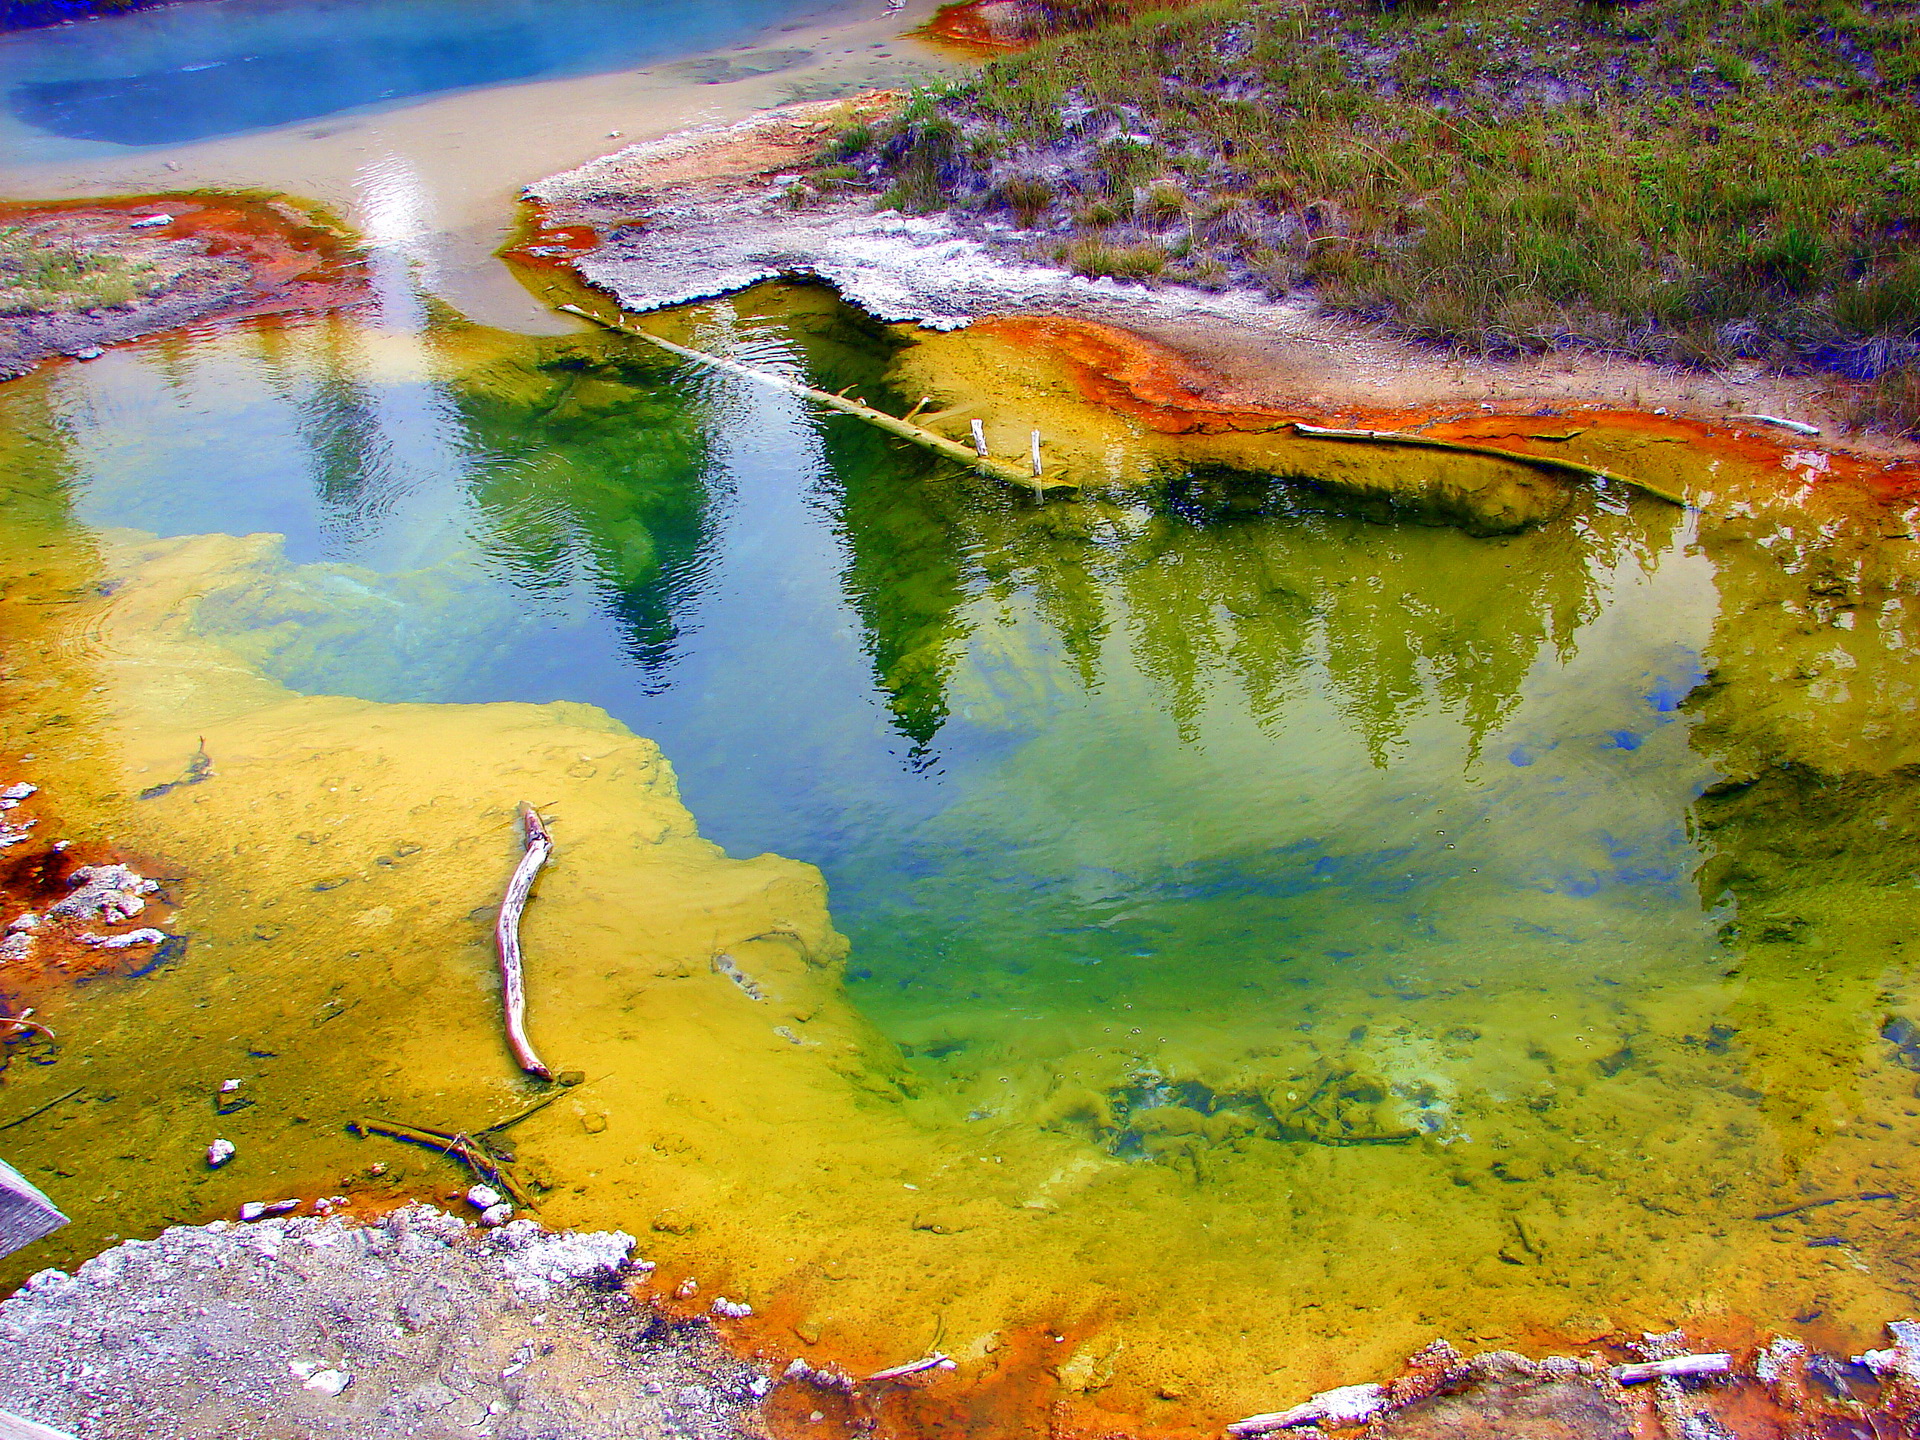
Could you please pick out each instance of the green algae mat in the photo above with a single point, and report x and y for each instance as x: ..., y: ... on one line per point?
x: 1197, y: 938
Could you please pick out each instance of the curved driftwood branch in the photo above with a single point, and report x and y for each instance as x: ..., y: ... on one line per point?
x: 1517, y: 457
x: 506, y: 934
x: 1799, y: 427
x: 935, y: 1361
x: 892, y: 424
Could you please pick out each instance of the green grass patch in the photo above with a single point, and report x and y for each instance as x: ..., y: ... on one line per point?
x: 38, y: 275
x: 1682, y: 180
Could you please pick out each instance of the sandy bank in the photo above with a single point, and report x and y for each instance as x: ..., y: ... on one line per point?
x: 713, y: 210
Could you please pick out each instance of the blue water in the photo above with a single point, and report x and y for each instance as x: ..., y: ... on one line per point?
x: 214, y: 68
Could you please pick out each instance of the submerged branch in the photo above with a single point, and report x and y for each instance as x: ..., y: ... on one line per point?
x: 892, y: 424
x: 507, y: 935
x: 1518, y: 457
x: 459, y: 1147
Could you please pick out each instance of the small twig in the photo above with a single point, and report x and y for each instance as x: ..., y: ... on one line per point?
x: 21, y: 1021
x: 41, y: 1109
x: 506, y: 935
x: 1830, y: 1200
x: 914, y: 1367
x: 1799, y: 427
x: 459, y: 1146
x: 515, y: 1119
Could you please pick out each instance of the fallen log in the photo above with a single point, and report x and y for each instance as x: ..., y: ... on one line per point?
x: 1346, y: 1405
x: 892, y: 424
x: 1799, y: 427
x: 506, y: 934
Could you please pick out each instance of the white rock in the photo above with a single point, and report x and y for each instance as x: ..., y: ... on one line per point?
x: 148, y: 936
x: 731, y: 1309
x: 218, y: 1153
x: 496, y: 1215
x: 227, y: 1087
x: 28, y: 921
x: 154, y: 222
x: 110, y: 893
x: 18, y: 792
x: 252, y: 1210
x: 328, y: 1382
x: 484, y: 1197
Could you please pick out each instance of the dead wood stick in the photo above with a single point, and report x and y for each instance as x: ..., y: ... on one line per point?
x: 18, y: 1427
x: 1799, y: 427
x: 21, y: 1022
x: 1830, y: 1200
x: 517, y: 1117
x: 506, y: 934
x: 892, y: 424
x: 459, y: 1147
x: 934, y: 1361
x: 1517, y: 457
x: 1679, y: 1366
x: 40, y: 1109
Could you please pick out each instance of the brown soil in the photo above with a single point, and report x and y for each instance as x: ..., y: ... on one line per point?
x: 218, y: 257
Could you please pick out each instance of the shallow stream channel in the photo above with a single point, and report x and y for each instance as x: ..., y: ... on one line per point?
x: 1249, y: 939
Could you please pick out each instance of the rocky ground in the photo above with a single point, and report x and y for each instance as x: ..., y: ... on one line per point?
x: 76, y: 277
x: 421, y: 1325
x: 418, y: 1325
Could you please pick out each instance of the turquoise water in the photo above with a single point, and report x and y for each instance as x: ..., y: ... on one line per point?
x: 1118, y: 753
x: 226, y: 67
x: 1494, y: 929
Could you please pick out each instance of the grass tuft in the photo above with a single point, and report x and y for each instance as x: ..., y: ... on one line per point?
x: 36, y: 275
